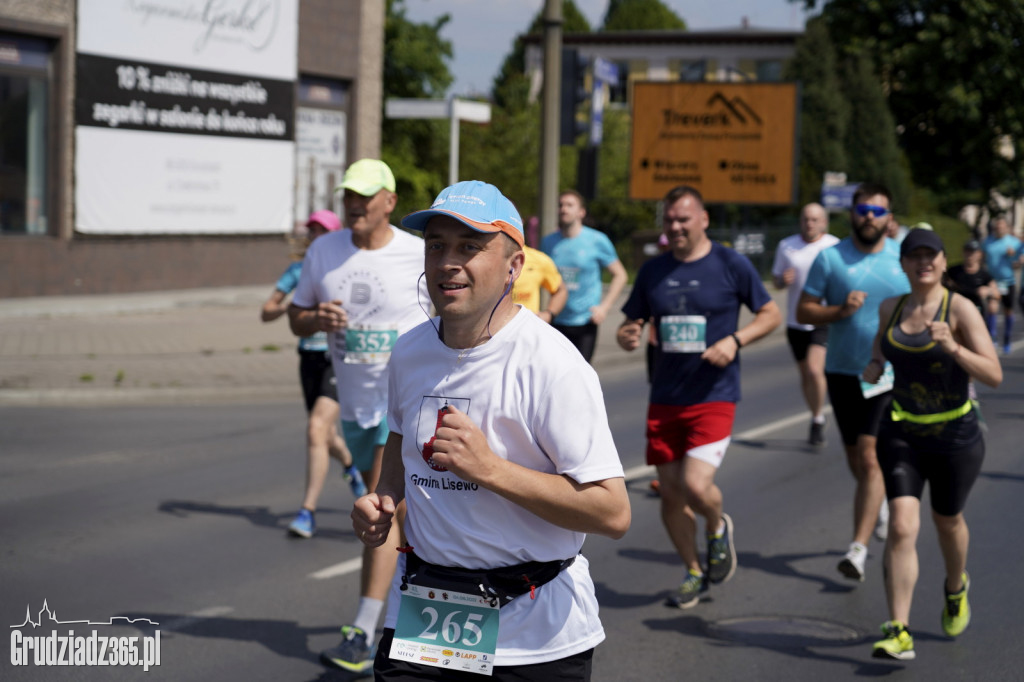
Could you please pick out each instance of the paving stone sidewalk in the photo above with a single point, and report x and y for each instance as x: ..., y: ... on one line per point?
x: 193, y: 346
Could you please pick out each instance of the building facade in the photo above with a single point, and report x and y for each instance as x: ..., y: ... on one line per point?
x: 169, y: 145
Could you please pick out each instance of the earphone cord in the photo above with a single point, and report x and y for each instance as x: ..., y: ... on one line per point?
x: 490, y: 317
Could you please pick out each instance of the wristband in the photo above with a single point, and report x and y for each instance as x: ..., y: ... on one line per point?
x: 737, y: 340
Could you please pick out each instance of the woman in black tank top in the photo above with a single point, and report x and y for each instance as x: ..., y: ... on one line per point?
x: 937, y: 342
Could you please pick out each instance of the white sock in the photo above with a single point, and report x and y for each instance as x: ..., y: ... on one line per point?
x: 368, y: 615
x: 818, y: 419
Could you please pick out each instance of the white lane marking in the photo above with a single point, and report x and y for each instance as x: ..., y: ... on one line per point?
x: 645, y: 470
x: 196, y: 617
x: 344, y: 568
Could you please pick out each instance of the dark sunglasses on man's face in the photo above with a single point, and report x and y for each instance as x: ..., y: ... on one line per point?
x: 863, y: 210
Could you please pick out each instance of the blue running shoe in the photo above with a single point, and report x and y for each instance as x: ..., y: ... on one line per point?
x: 304, y: 524
x: 355, y: 481
x: 353, y: 654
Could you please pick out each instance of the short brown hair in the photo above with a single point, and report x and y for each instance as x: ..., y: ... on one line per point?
x: 680, y: 191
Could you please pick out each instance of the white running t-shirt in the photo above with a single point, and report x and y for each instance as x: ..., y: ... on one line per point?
x: 794, y: 252
x: 381, y: 293
x: 540, y: 405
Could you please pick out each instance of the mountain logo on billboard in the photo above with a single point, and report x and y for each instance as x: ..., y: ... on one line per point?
x: 718, y: 111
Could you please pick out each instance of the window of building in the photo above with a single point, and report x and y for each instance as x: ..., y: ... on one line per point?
x: 321, y: 125
x: 24, y: 112
x: 769, y: 70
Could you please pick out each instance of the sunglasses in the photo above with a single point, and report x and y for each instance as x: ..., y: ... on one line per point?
x: 878, y: 211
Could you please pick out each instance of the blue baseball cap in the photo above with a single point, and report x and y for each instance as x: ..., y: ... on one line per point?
x: 475, y: 204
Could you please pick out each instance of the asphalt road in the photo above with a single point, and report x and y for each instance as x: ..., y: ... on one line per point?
x: 176, y: 514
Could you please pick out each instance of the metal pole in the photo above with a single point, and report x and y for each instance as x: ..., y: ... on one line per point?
x: 548, y: 190
x: 453, y: 144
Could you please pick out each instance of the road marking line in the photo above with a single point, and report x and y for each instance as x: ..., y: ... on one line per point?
x: 645, y: 470
x: 344, y: 568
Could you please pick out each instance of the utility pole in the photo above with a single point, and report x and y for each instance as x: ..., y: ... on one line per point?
x: 550, y: 112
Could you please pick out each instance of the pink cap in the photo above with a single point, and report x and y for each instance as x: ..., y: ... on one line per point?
x: 325, y: 219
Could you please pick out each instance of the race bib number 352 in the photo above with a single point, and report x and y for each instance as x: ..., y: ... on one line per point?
x: 446, y: 629
x: 369, y: 345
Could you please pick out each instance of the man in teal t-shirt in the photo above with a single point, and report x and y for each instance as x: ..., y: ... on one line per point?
x: 581, y: 253
x: 1003, y: 253
x: 844, y: 289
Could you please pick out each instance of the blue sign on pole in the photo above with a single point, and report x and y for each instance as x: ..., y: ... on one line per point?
x: 836, y: 198
x: 604, y: 72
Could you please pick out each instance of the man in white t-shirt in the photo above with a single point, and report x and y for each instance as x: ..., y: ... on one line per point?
x: 362, y: 286
x: 793, y: 258
x: 501, y: 448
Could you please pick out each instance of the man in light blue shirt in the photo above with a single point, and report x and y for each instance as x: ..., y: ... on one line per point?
x: 581, y: 253
x: 854, y: 277
x: 1003, y: 253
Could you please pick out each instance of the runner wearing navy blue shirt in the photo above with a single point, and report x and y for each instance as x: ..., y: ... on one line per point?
x: 692, y: 294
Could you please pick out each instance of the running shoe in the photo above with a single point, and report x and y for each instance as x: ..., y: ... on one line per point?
x: 895, y: 643
x: 304, y: 524
x: 957, y: 613
x: 817, y: 434
x: 655, y: 488
x: 355, y: 481
x: 688, y: 593
x: 1006, y: 349
x: 852, y: 565
x: 353, y: 654
x: 721, y: 554
x: 882, y: 526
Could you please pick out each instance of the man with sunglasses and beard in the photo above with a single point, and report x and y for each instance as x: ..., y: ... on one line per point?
x: 844, y: 288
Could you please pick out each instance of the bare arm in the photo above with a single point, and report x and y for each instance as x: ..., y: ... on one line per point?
x: 373, y: 514
x: 615, y: 287
x: 969, y: 342
x: 555, y: 304
x: 873, y: 372
x: 600, y: 507
x: 274, y: 307
x: 724, y: 351
x: 325, y: 317
x: 628, y: 334
x: 785, y: 279
x: 811, y: 310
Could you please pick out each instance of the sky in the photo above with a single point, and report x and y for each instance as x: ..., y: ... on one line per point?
x: 482, y: 32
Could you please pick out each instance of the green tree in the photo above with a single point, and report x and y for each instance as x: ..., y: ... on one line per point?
x: 825, y: 112
x: 415, y: 67
x: 951, y: 72
x: 872, y: 151
x: 506, y: 152
x: 511, y: 88
x: 641, y: 15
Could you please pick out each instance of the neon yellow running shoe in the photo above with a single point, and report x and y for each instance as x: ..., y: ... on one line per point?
x: 957, y: 613
x: 896, y: 643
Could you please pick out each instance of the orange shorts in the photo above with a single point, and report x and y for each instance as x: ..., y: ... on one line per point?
x: 677, y: 431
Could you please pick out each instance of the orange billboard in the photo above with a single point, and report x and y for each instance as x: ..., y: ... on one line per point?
x: 734, y: 142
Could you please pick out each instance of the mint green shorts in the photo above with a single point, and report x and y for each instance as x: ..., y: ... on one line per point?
x: 362, y: 442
